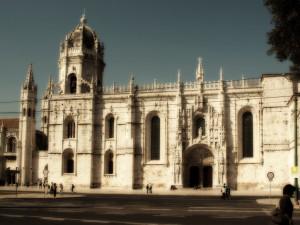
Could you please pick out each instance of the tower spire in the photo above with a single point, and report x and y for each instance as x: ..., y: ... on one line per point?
x: 29, y: 77
x: 29, y: 82
x: 200, y: 71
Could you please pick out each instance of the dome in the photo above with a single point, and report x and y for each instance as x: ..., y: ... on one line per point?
x: 82, y: 34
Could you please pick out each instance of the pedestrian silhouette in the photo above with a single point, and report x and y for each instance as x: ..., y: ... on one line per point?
x: 284, y: 214
x: 61, y: 188
x: 54, y: 190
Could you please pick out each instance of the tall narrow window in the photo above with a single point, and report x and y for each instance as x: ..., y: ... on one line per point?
x: 155, y: 138
x: 70, y: 128
x: 199, y: 127
x: 11, y: 144
x: 72, y: 83
x: 111, y: 124
x: 29, y: 112
x: 68, y: 160
x: 109, y: 162
x: 247, y: 132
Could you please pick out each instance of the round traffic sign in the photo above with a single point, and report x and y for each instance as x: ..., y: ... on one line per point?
x: 270, y: 176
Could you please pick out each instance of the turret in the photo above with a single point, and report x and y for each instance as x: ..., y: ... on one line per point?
x: 80, y: 61
x: 27, y: 127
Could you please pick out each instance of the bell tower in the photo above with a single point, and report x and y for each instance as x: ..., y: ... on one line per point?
x: 80, y: 61
x: 27, y: 128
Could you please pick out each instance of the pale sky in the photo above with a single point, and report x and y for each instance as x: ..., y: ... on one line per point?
x: 149, y: 38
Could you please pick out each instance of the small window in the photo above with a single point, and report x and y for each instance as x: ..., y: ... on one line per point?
x: 70, y: 128
x: 24, y: 112
x: 11, y: 144
x: 72, y: 83
x: 247, y: 133
x: 109, y: 162
x: 29, y: 112
x: 111, y: 124
x: 45, y: 119
x: 68, y: 160
x: 155, y: 138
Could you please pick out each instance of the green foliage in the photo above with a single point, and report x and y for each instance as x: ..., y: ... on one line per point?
x: 284, y: 38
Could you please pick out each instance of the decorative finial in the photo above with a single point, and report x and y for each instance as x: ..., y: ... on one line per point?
x: 83, y: 18
x: 178, y: 76
x: 221, y: 73
x: 131, y: 82
x: 131, y: 77
x: 200, y: 71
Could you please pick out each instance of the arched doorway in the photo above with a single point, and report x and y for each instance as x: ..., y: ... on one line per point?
x: 198, y: 167
x: 207, y: 176
x: 194, y: 178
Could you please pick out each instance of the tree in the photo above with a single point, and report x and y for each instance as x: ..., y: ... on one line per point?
x: 284, y: 38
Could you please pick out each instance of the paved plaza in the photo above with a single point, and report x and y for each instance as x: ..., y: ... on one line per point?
x: 136, y: 208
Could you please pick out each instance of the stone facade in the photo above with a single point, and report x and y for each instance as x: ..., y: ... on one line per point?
x: 9, y: 136
x: 199, y: 133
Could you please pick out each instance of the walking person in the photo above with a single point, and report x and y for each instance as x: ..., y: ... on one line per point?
x: 54, y: 190
x: 51, y: 188
x: 61, y: 188
x: 223, y: 191
x: 284, y: 214
x: 72, y: 188
x: 150, y: 188
x: 227, y: 191
x: 147, y: 188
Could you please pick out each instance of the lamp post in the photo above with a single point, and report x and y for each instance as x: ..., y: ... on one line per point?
x: 296, y: 148
x: 45, y: 183
x: 17, y: 180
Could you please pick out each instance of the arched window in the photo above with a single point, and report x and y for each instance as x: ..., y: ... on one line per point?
x: 247, y: 133
x: 155, y: 138
x: 199, y: 127
x: 68, y: 161
x: 109, y: 162
x: 70, y: 128
x: 29, y: 112
x: 72, y: 83
x: 45, y: 119
x: 24, y: 112
x: 111, y: 124
x: 11, y: 144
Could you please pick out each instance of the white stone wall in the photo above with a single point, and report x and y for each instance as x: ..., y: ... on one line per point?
x: 221, y: 103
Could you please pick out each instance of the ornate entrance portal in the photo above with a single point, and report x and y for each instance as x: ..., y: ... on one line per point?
x: 198, y: 167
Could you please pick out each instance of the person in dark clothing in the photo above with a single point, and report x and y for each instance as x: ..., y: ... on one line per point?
x: 54, y: 190
x: 286, y: 206
x: 150, y: 188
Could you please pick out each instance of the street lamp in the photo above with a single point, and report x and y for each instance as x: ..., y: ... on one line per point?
x: 17, y: 180
x: 45, y: 183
